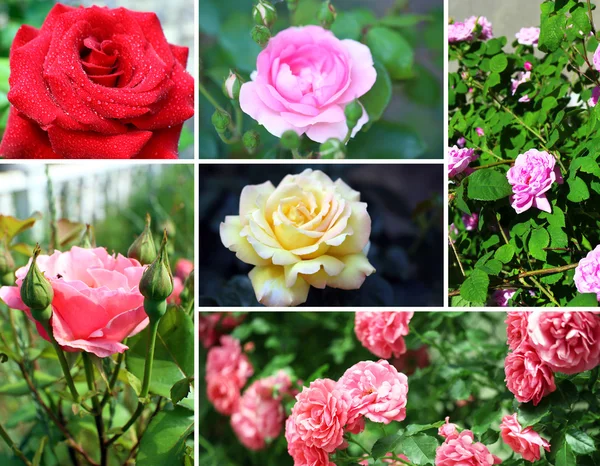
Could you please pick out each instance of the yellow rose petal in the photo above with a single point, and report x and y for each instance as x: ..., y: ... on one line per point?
x: 270, y: 288
x: 330, y: 265
x: 230, y: 231
x: 357, y: 269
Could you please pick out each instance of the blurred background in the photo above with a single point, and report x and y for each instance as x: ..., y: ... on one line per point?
x: 412, y: 126
x: 176, y: 17
x: 405, y: 205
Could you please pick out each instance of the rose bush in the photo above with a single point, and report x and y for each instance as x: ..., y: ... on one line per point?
x: 529, y: 117
x: 96, y: 83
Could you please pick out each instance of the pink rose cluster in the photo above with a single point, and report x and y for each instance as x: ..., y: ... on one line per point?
x: 304, y: 80
x: 543, y: 343
x: 469, y: 30
x: 183, y: 268
x: 532, y: 175
x: 528, y: 36
x: 587, y: 273
x: 327, y: 409
x: 461, y: 449
x: 213, y: 325
x: 526, y: 442
x: 227, y: 371
x: 382, y: 333
x: 459, y: 160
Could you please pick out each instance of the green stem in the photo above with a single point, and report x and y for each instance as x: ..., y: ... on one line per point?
x: 18, y: 453
x: 209, y: 97
x: 89, y: 375
x: 239, y: 119
x: 495, y: 164
x: 227, y: 140
x: 589, y: 5
x: 351, y: 440
x: 52, y: 209
x: 113, y: 379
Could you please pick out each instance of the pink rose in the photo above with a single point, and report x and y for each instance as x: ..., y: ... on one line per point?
x: 527, y: 376
x: 97, y: 303
x: 305, y: 78
x: 462, y: 142
x: 183, y: 268
x: 528, y: 36
x: 303, y: 454
x: 459, y: 32
x: 462, y: 450
x: 320, y: 414
x: 459, y: 160
x: 470, y: 221
x: 480, y: 132
x: 229, y: 360
x: 382, y: 332
x: 526, y: 442
x: 528, y: 66
x: 531, y: 177
x: 377, y: 390
x: 448, y: 430
x: 214, y: 324
x: 593, y: 101
x: 569, y: 342
x: 587, y: 273
x: 408, y: 362
x: 597, y: 59
x: 223, y: 392
x: 486, y: 32
x: 516, y: 328
x: 522, y: 78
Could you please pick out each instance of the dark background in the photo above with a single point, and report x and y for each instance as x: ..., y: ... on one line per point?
x: 405, y: 205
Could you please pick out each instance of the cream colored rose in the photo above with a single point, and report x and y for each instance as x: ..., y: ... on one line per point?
x: 307, y: 231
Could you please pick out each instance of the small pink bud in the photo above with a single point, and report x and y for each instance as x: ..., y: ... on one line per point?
x: 528, y: 66
x: 480, y: 132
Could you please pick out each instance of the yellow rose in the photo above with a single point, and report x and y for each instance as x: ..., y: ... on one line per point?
x: 307, y: 231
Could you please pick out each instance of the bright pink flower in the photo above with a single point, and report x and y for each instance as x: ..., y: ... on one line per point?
x: 408, y: 362
x: 229, y: 360
x: 462, y: 450
x: 569, y: 342
x: 528, y: 66
x: 470, y: 221
x: 527, y: 376
x: 177, y: 289
x: 462, y: 142
x: 303, y: 454
x: 223, y: 392
x: 382, y: 332
x: 531, y: 177
x: 501, y: 297
x: 486, y: 32
x: 183, y: 268
x: 528, y: 36
x: 96, y: 302
x: 522, y: 78
x: 587, y: 273
x: 459, y: 160
x: 377, y: 390
x: 526, y: 442
x: 597, y: 59
x: 516, y: 328
x: 480, y: 132
x: 459, y: 32
x: 448, y: 430
x: 305, y: 78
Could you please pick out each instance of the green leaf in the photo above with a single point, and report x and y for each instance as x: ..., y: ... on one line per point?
x: 578, y: 190
x: 565, y: 456
x: 393, y: 50
x: 580, y: 442
x: 539, y: 240
x: 413, y: 429
x: 475, y: 288
x: 350, y: 24
x: 385, y: 445
x: 385, y: 140
x: 488, y: 185
x: 20, y: 388
x: 180, y: 390
x: 460, y: 199
x: 164, y: 440
x: 405, y: 20
x: 505, y: 253
x: 551, y: 33
x: 584, y: 300
x: 420, y: 449
x: 530, y: 415
x: 378, y: 98
x: 40, y: 451
x: 498, y: 63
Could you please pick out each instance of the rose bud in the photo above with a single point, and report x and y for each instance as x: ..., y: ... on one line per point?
x: 264, y: 13
x: 36, y: 292
x: 88, y: 241
x: 232, y: 85
x: 221, y: 120
x: 261, y: 35
x: 333, y: 149
x: 156, y: 284
x: 7, y: 264
x: 290, y: 140
x: 327, y: 14
x: 251, y: 140
x: 353, y: 112
x: 143, y: 249
x: 528, y: 66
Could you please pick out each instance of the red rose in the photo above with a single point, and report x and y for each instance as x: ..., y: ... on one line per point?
x: 96, y: 83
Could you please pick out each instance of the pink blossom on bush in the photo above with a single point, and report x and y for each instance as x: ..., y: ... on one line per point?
x: 223, y: 392
x: 528, y: 66
x: 462, y: 142
x: 516, y: 328
x: 587, y: 273
x: 597, y: 58
x: 214, y: 324
x: 528, y: 36
x: 527, y: 376
x: 382, y: 333
x: 303, y: 454
x: 522, y: 78
x: 480, y: 132
x: 408, y: 362
x: 448, y: 430
x: 459, y: 32
x: 376, y: 390
x: 305, y: 78
x: 531, y: 177
x: 183, y: 268
x: 526, y: 442
x: 485, y: 25
x: 462, y: 450
x: 459, y: 160
x: 593, y: 100
x: 569, y: 342
x: 501, y: 297
x: 470, y: 221
x: 466, y: 31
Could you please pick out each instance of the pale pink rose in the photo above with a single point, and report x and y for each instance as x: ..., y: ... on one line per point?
x: 486, y: 32
x: 183, y: 268
x: 516, y: 328
x: 597, y: 59
x: 569, y: 342
x: 177, y: 289
x: 448, y: 430
x: 408, y: 362
x: 377, y: 390
x: 97, y: 303
x: 470, y: 221
x: 522, y: 78
x: 528, y: 36
x: 305, y: 78
x: 528, y: 66
x: 356, y: 427
x: 459, y: 160
x: 382, y: 333
x: 462, y: 450
x: 229, y: 360
x: 593, y: 100
x: 587, y: 273
x: 385, y: 460
x: 527, y: 376
x: 303, y: 454
x: 531, y: 177
x: 213, y: 325
x: 480, y: 132
x: 459, y: 32
x: 320, y: 414
x: 526, y: 442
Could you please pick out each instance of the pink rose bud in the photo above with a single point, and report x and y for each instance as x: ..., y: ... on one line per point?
x: 232, y: 86
x: 528, y: 66
x: 448, y: 430
x: 480, y: 132
x: 462, y: 142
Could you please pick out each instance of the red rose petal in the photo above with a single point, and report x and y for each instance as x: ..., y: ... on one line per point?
x: 23, y: 139
x: 163, y: 145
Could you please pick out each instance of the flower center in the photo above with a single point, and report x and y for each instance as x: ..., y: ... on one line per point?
x: 100, y: 61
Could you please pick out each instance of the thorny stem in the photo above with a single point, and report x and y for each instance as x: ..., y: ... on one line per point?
x: 545, y: 291
x: 89, y: 375
x: 13, y: 446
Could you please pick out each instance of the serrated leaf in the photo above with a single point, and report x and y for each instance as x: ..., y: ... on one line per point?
x: 539, y: 240
x: 584, y: 300
x: 505, y: 253
x: 565, y: 456
x: 475, y: 287
x: 180, y: 390
x: 488, y: 185
x: 580, y: 442
x: 420, y: 449
x: 385, y: 445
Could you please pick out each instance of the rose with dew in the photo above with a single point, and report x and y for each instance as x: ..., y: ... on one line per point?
x: 376, y: 390
x: 516, y: 328
x: 96, y: 304
x: 531, y: 177
x: 96, y: 83
x: 526, y: 442
x: 382, y: 333
x: 459, y: 160
x: 527, y: 376
x: 528, y: 36
x: 462, y: 450
x: 587, y: 273
x: 569, y: 342
x: 304, y: 80
x: 307, y: 231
